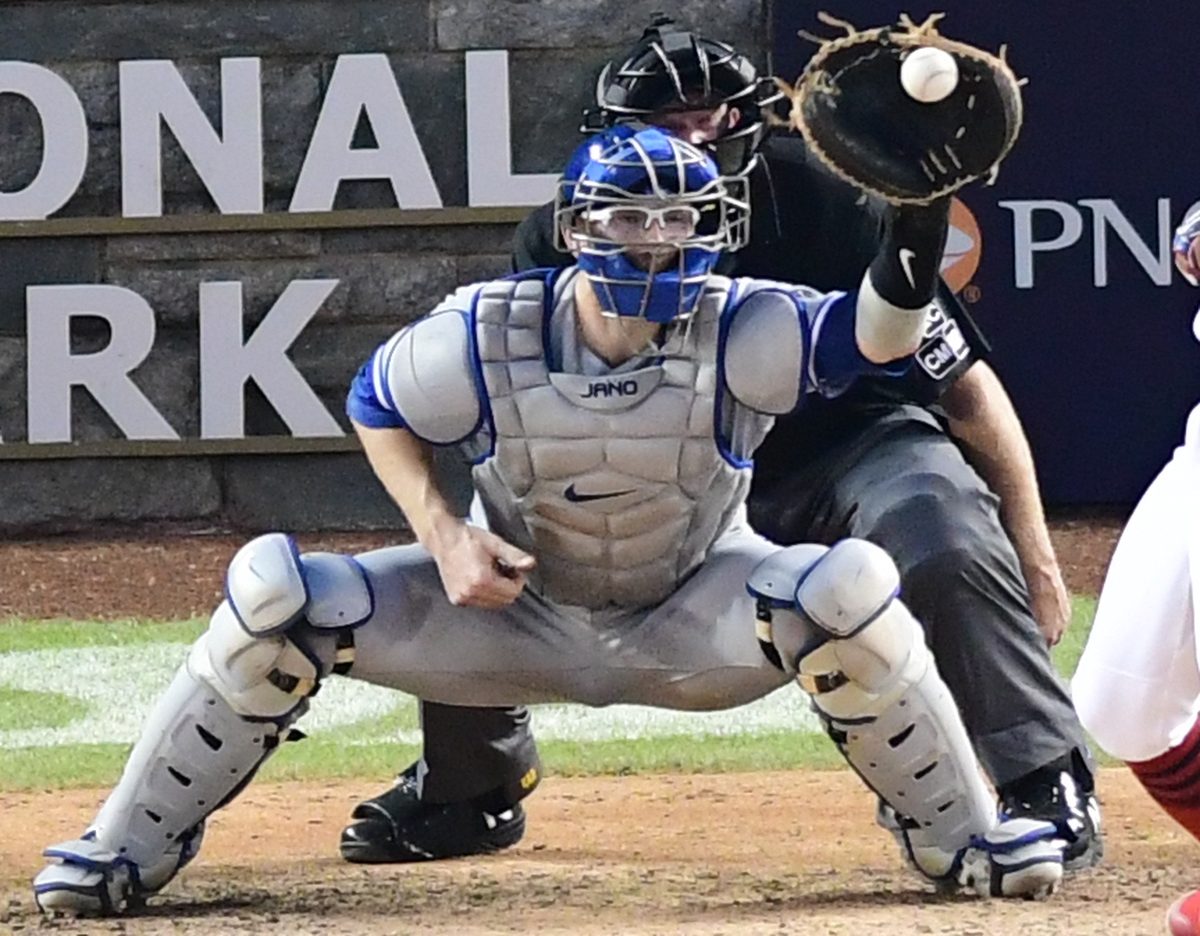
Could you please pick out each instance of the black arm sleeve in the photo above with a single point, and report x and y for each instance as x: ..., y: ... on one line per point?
x: 905, y: 269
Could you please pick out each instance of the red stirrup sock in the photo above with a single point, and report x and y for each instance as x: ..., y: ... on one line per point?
x: 1173, y: 779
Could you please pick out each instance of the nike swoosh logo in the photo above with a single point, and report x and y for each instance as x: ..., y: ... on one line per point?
x: 906, y: 258
x: 576, y: 498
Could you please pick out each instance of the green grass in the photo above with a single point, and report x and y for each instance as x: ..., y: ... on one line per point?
x: 22, y: 708
x: 351, y: 752
x: 17, y: 635
x: 52, y: 768
x: 1066, y: 654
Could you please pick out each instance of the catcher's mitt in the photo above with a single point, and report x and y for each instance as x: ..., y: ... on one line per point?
x: 858, y: 119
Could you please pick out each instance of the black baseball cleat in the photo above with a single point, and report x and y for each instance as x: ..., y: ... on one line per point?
x: 1061, y: 792
x: 397, y: 827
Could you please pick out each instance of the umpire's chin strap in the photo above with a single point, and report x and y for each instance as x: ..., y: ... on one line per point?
x: 306, y: 687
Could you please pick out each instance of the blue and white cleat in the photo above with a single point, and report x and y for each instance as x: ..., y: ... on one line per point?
x: 1018, y: 858
x: 1015, y: 858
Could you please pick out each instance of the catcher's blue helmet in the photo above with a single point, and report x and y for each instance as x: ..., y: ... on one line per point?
x: 648, y: 215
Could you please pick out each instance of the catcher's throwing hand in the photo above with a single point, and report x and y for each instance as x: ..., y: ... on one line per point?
x: 478, y: 568
x: 853, y: 110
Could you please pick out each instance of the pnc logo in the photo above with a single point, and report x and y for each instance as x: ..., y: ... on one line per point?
x: 963, y: 247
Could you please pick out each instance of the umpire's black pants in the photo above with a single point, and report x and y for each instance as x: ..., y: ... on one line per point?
x: 904, y: 485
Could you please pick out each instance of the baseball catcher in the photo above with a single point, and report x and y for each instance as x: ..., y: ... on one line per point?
x: 981, y: 579
x: 611, y: 411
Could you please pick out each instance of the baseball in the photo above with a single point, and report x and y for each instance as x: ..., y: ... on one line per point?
x: 929, y: 75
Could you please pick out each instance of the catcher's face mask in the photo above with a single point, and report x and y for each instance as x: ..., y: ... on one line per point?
x: 647, y: 218
x: 673, y: 70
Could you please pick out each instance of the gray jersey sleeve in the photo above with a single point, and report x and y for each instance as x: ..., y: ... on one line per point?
x: 427, y: 373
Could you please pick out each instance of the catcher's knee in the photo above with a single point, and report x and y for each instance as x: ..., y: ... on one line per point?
x: 287, y: 622
x: 848, y: 587
x: 809, y: 594
x: 866, y: 645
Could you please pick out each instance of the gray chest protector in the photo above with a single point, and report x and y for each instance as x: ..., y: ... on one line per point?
x: 617, y: 483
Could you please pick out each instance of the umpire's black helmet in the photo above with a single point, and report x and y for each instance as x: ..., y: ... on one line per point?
x: 671, y: 68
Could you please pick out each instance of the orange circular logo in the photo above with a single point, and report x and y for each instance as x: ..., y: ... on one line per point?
x: 963, y: 247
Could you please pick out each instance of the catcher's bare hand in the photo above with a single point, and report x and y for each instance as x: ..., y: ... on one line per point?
x: 478, y: 568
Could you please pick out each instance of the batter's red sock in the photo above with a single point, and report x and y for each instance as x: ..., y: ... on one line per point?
x: 1173, y: 779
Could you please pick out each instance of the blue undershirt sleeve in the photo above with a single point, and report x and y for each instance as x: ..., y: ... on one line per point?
x: 364, y: 404
x: 837, y: 361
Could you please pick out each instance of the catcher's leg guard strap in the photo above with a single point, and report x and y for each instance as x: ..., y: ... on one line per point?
x: 862, y: 657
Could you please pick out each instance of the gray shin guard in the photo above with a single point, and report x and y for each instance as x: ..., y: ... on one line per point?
x: 287, y: 623
x: 244, y: 682
x: 833, y: 618
x: 194, y: 754
x: 902, y: 732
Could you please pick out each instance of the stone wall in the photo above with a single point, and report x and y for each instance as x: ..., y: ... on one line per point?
x: 388, y: 274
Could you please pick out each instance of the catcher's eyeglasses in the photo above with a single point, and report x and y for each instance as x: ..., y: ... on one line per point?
x: 629, y: 223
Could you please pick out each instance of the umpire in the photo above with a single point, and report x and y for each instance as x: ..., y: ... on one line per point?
x: 884, y: 462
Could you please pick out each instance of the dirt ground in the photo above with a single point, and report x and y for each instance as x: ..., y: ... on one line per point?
x: 734, y: 854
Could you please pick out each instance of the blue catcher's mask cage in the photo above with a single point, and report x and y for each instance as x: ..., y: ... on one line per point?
x: 652, y: 175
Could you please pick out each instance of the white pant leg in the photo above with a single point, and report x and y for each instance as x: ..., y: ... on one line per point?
x: 697, y: 650
x: 1137, y: 687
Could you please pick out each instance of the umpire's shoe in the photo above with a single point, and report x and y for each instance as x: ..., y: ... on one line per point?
x: 1062, y: 792
x: 397, y: 826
